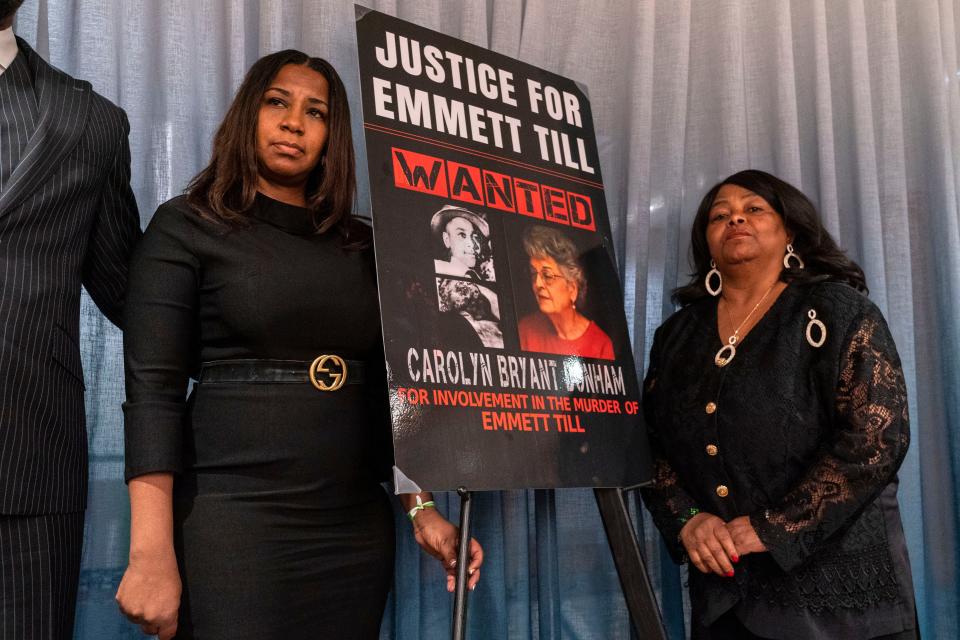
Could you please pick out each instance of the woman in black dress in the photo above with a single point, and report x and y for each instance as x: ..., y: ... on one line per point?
x: 777, y: 414
x: 256, y: 504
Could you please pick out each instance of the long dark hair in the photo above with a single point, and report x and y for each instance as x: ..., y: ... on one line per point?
x: 225, y: 190
x: 824, y: 260
x: 8, y: 8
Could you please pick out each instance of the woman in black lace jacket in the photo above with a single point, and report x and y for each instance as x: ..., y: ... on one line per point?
x: 777, y: 413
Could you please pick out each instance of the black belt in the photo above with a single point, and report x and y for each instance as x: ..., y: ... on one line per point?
x: 327, y: 372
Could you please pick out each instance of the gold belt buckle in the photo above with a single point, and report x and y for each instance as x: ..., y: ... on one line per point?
x: 336, y: 378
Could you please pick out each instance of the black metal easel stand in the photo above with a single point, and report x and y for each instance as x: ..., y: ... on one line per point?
x: 627, y: 556
x: 637, y: 590
x: 463, y: 560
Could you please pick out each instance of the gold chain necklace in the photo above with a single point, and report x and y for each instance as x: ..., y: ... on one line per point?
x: 729, y: 350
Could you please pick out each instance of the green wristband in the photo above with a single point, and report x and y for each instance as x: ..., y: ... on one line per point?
x: 420, y: 507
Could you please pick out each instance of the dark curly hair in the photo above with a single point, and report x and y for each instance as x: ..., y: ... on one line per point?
x: 824, y: 260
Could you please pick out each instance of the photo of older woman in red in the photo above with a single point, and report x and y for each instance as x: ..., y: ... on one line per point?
x: 559, y: 285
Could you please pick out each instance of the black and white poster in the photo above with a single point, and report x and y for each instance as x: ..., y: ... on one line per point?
x: 507, y: 348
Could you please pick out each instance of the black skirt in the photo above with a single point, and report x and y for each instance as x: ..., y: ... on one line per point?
x: 281, y: 529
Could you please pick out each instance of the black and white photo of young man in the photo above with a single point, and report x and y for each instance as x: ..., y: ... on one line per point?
x: 463, y: 241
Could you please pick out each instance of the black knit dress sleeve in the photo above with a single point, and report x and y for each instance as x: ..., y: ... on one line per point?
x: 159, y: 344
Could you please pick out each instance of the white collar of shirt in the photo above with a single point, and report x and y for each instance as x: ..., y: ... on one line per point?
x: 8, y: 48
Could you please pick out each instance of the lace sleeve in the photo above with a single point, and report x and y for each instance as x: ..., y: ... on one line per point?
x: 666, y: 499
x: 860, y: 458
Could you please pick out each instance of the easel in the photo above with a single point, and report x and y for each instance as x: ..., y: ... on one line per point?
x: 463, y: 558
x: 637, y: 590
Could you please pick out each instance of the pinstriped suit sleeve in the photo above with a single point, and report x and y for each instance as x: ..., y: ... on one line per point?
x: 115, y: 232
x: 159, y: 343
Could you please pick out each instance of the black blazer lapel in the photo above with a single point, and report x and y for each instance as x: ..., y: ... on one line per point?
x: 63, y: 103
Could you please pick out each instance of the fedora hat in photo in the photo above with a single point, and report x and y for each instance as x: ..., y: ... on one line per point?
x: 440, y: 219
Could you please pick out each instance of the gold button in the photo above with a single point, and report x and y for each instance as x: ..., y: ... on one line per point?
x: 722, y: 491
x: 711, y: 407
x: 712, y: 450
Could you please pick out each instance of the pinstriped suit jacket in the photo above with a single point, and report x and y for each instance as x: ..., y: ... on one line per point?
x: 67, y: 217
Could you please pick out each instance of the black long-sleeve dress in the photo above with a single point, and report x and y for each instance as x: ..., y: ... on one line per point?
x: 804, y: 440
x: 282, y: 530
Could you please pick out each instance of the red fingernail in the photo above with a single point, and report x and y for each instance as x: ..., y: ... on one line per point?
x: 729, y: 574
x: 735, y: 558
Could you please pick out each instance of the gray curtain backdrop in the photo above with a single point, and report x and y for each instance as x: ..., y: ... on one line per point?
x: 855, y: 101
